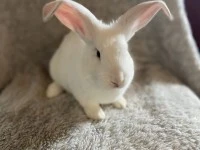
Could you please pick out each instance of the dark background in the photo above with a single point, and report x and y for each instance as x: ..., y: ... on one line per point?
x: 193, y: 10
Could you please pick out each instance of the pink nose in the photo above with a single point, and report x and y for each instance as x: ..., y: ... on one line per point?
x: 118, y: 81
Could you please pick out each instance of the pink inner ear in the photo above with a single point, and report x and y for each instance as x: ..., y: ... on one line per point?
x: 70, y: 18
x: 147, y: 16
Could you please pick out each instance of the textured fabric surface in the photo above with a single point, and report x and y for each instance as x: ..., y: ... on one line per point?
x: 163, y: 101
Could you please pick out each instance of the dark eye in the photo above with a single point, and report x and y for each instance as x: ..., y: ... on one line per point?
x: 98, y: 54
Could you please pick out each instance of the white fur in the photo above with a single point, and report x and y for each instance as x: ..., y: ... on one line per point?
x: 54, y: 90
x: 70, y: 68
x: 75, y: 66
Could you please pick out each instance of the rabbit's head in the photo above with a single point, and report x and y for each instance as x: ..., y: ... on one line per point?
x: 109, y: 42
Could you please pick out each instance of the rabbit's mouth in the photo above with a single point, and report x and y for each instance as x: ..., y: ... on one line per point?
x: 109, y: 84
x: 117, y: 85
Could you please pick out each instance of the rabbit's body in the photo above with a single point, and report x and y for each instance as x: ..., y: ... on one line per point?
x: 70, y: 70
x: 93, y: 62
x: 64, y: 68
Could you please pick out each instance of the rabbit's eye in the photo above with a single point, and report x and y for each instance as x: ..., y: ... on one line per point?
x: 98, y: 54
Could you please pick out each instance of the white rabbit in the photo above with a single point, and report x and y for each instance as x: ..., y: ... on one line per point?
x: 93, y: 62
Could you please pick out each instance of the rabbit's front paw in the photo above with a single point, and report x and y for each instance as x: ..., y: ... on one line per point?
x: 94, y: 112
x: 120, y: 103
x: 53, y: 90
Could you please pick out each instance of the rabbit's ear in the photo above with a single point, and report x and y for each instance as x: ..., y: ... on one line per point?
x: 139, y: 16
x: 73, y: 15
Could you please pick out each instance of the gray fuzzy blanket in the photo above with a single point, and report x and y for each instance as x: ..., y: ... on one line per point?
x: 163, y: 102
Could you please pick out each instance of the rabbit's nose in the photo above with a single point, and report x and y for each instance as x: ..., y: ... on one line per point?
x: 118, y: 81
